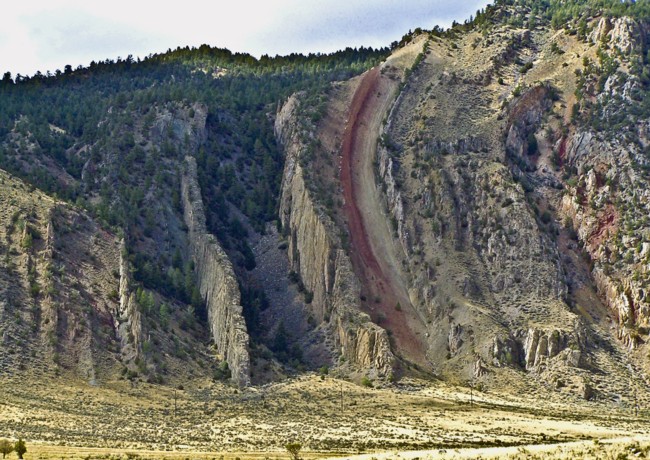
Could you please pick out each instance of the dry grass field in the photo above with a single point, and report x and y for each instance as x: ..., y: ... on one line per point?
x: 329, y: 417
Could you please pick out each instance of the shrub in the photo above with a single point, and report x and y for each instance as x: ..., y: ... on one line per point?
x: 27, y: 241
x: 294, y: 450
x: 6, y: 447
x: 526, y: 67
x: 222, y: 372
x: 113, y: 295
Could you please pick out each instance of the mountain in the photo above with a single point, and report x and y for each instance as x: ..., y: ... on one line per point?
x: 174, y: 157
x: 473, y: 202
x: 470, y: 206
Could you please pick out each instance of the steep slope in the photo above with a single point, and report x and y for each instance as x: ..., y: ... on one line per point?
x: 70, y: 306
x: 371, y: 245
x: 216, y: 281
x: 59, y: 296
x: 455, y: 190
x: 484, y: 255
x: 114, y: 311
x: 463, y: 221
x: 315, y: 254
x: 113, y: 138
x: 607, y: 195
x: 472, y: 208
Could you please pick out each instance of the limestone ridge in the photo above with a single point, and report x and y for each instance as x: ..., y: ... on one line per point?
x: 49, y: 311
x: 127, y: 317
x: 315, y: 253
x: 216, y: 281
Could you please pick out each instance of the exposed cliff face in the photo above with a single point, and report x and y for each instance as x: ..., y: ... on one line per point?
x: 597, y: 208
x: 61, y: 284
x: 474, y: 206
x: 388, y: 169
x: 524, y: 117
x: 624, y: 33
x: 182, y: 123
x: 127, y: 317
x: 606, y: 196
x: 216, y: 281
x: 482, y: 272
x: 315, y: 253
x: 469, y: 171
x: 541, y: 345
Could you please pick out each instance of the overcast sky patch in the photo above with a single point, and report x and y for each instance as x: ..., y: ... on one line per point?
x: 49, y: 34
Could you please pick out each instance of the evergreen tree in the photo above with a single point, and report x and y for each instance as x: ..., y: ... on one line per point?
x: 20, y: 448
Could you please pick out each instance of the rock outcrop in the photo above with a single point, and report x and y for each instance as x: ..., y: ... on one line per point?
x: 532, y: 349
x: 594, y: 206
x: 181, y: 122
x: 216, y: 281
x: 479, y: 262
x: 624, y: 33
x: 128, y: 323
x: 315, y: 253
x: 524, y: 118
x: 540, y: 345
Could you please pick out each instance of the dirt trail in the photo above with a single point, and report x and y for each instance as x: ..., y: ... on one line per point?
x: 373, y: 251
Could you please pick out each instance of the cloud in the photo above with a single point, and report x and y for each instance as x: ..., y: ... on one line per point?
x: 48, y: 34
x: 341, y: 23
x: 81, y: 37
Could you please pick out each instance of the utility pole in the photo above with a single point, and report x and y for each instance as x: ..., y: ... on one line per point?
x: 174, y: 402
x: 636, y: 404
x: 341, y: 396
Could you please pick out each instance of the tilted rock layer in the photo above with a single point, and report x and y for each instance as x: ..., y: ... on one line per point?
x: 315, y: 253
x: 485, y: 173
x: 216, y: 281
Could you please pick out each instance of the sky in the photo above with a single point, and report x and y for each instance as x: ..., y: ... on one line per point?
x: 46, y: 35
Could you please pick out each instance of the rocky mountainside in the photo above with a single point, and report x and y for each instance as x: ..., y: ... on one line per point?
x: 478, y: 187
x: 470, y: 206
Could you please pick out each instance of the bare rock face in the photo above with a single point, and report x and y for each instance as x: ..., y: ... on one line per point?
x: 479, y: 370
x: 182, y: 124
x: 524, y: 116
x: 387, y: 169
x: 627, y: 298
x: 595, y: 207
x: 315, y: 254
x: 506, y: 352
x: 128, y: 324
x: 216, y: 281
x: 533, y: 349
x: 480, y: 268
x: 541, y: 345
x: 624, y: 33
x: 455, y: 338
